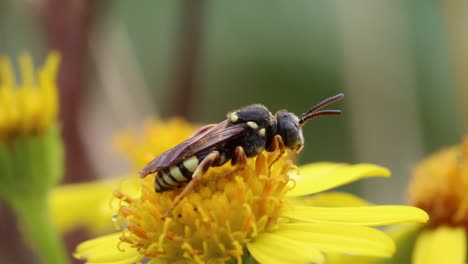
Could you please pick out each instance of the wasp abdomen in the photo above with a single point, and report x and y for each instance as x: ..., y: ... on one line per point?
x: 176, y: 176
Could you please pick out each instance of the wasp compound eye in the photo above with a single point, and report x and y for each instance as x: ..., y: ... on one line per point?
x: 289, y: 129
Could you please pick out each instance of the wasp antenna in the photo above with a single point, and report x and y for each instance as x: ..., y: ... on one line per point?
x: 317, y: 114
x: 312, y: 112
x: 324, y: 103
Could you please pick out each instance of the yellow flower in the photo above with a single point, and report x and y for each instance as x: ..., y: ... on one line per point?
x: 257, y: 212
x: 158, y: 136
x: 28, y: 108
x: 31, y: 150
x: 440, y: 187
x: 30, y: 146
x: 93, y: 203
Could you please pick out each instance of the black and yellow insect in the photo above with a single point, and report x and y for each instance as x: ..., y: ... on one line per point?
x: 245, y: 133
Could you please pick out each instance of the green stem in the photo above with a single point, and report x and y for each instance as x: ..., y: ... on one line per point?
x: 34, y: 216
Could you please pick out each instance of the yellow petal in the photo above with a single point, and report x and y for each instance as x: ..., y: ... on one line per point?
x: 362, y: 215
x: 93, y: 204
x: 48, y: 88
x: 404, y: 236
x: 105, y: 249
x: 335, y: 238
x: 27, y: 69
x: 441, y: 245
x: 323, y: 176
x: 31, y: 109
x: 7, y: 78
x: 335, y: 199
x: 89, y: 202
x: 273, y: 248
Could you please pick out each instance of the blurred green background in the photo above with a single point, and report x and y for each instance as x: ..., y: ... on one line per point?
x: 396, y: 62
x: 401, y: 64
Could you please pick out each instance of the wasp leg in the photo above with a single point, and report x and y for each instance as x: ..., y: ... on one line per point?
x: 240, y: 159
x: 277, y: 144
x: 205, y: 164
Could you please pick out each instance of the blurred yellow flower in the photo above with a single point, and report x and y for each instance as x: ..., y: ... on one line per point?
x: 31, y: 107
x: 158, y: 136
x: 254, y: 213
x: 31, y: 149
x: 440, y: 186
x: 31, y: 157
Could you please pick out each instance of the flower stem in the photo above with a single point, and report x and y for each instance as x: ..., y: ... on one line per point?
x: 33, y: 214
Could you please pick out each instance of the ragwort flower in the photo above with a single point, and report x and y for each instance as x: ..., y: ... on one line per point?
x: 253, y: 213
x: 31, y: 150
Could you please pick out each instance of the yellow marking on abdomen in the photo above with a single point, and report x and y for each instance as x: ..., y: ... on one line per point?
x: 191, y: 164
x: 169, y: 180
x: 177, y: 174
x: 161, y: 183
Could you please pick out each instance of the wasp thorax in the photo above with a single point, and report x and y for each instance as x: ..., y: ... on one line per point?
x: 290, y: 131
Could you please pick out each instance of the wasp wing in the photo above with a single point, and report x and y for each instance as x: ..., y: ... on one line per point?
x: 199, y: 142
x: 213, y: 139
x: 202, y: 129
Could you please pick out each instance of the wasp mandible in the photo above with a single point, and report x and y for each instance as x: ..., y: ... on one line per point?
x: 244, y: 134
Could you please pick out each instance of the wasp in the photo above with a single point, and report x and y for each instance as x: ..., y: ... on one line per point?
x: 244, y: 134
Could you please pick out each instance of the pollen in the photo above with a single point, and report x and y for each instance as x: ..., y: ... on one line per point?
x: 214, y: 222
x: 440, y: 186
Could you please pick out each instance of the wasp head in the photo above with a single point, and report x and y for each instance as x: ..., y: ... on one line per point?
x: 290, y: 130
x: 289, y: 126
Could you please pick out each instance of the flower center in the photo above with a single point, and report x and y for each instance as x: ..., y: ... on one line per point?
x: 440, y: 186
x: 213, y: 223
